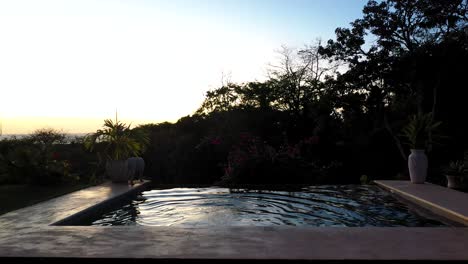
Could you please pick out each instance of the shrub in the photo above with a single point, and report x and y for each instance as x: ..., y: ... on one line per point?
x: 253, y: 161
x: 33, y: 160
x: 117, y: 140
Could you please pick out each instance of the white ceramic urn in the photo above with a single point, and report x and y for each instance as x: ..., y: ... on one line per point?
x: 117, y: 170
x: 417, y: 165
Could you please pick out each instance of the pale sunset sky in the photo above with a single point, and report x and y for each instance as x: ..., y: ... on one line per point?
x: 69, y: 64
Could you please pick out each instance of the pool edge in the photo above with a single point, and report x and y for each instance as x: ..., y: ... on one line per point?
x: 393, y: 187
x: 335, y: 244
x: 77, y: 217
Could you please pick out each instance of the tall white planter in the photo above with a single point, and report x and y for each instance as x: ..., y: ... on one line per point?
x: 417, y: 165
x: 117, y: 170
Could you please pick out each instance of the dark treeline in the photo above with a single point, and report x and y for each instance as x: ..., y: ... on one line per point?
x: 331, y: 112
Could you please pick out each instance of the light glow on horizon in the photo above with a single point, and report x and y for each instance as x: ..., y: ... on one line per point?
x: 64, y: 64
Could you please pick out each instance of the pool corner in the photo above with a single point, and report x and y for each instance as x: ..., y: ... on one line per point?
x: 439, y: 200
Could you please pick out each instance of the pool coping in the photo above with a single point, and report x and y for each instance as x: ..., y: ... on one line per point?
x: 32, y: 238
x: 442, y: 201
x: 74, y: 205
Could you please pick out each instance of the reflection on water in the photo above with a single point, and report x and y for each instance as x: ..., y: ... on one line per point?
x: 345, y: 205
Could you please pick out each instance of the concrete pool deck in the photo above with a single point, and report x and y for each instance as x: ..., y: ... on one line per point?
x: 28, y: 233
x: 60, y: 208
x: 440, y: 200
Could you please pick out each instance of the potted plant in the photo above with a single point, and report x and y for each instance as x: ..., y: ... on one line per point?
x: 419, y: 133
x: 456, y: 173
x: 117, y: 142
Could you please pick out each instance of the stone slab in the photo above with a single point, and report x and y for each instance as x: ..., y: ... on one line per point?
x: 53, y: 210
x: 319, y: 243
x: 440, y: 200
x: 27, y: 233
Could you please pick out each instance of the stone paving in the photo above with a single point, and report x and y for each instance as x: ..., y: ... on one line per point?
x: 440, y: 200
x: 330, y: 243
x: 53, y: 210
x: 28, y: 233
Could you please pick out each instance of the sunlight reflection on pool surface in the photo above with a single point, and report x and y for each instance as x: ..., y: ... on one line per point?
x: 345, y: 205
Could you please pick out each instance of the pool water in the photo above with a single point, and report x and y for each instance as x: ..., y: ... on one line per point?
x: 345, y: 206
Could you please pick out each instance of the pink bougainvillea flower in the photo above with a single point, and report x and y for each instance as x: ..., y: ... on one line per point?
x: 312, y: 140
x: 216, y: 141
x: 228, y: 170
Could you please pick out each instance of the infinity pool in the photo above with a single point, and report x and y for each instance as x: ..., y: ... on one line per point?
x: 345, y: 205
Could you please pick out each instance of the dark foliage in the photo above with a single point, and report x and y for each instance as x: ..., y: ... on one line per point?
x: 314, y: 122
x: 414, y: 65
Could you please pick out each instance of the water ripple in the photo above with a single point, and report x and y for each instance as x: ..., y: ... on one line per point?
x: 345, y: 205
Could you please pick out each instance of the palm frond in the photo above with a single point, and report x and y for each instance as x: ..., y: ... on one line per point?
x: 421, y: 131
x: 119, y: 140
